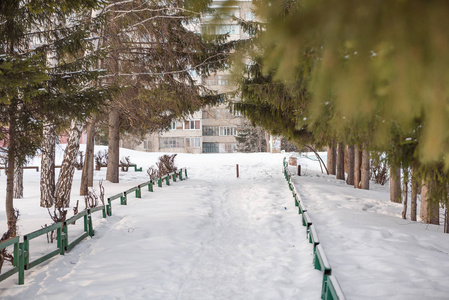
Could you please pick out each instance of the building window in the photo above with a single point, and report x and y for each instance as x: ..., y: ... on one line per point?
x: 228, y: 131
x: 210, y: 147
x: 210, y: 82
x: 192, y: 124
x: 237, y: 113
x: 172, y: 142
x: 210, y: 131
x: 194, y: 142
x: 176, y: 125
x: 223, y: 80
x: 249, y: 16
x: 227, y: 29
x: 146, y: 145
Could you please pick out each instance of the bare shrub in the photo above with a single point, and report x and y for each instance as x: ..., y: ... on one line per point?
x: 91, y: 199
x: 165, y: 165
x: 379, y: 170
x: 101, y: 159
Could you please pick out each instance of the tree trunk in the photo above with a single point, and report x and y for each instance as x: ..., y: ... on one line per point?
x: 364, y: 177
x: 430, y: 212
x: 48, y: 166
x: 88, y: 167
x: 446, y: 219
x: 332, y: 159
x: 405, y: 196
x: 11, y: 215
x: 341, y: 161
x: 68, y: 169
x: 351, y: 164
x: 112, y: 173
x: 414, y: 195
x: 18, y: 181
x: 267, y: 142
x: 395, y: 184
x: 357, y: 167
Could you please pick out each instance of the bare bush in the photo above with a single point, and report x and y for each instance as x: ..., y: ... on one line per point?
x: 101, y: 159
x: 91, y: 199
x: 152, y: 172
x: 379, y: 171
x: 165, y: 165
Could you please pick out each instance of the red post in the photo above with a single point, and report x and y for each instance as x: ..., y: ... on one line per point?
x: 237, y: 169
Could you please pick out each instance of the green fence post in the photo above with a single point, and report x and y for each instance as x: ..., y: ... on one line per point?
x: 167, y: 179
x: 65, y: 237
x: 26, y: 249
x: 86, y: 223
x: 180, y: 174
x: 91, y: 227
x: 138, y: 193
x: 21, y: 264
x: 104, y: 211
x: 185, y: 170
x: 159, y: 182
x: 16, y: 254
x: 109, y: 207
x: 123, y: 200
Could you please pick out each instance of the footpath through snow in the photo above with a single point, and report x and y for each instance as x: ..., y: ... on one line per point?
x: 211, y: 237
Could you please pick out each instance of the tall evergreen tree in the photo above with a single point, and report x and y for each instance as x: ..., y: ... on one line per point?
x: 154, y: 53
x: 33, y: 91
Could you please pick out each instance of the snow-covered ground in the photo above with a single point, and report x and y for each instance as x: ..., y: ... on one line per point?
x: 214, y: 236
x: 374, y: 253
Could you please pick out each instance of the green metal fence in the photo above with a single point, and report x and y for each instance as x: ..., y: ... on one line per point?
x: 330, y: 288
x: 22, y: 250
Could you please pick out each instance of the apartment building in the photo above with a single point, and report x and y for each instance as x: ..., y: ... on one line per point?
x: 212, y: 129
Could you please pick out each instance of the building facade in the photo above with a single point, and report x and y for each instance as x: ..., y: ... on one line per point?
x: 212, y: 129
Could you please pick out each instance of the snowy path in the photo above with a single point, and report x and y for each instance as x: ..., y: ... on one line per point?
x: 211, y: 237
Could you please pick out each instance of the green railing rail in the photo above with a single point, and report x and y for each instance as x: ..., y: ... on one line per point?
x: 26, y: 245
x: 321, y: 263
x: 21, y: 252
x: 89, y: 217
x: 67, y: 244
x: 313, y: 237
x: 330, y: 289
x: 334, y: 290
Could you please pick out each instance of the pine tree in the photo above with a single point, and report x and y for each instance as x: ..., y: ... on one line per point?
x: 153, y: 55
x: 33, y: 91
